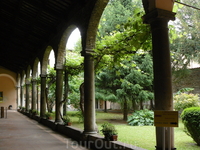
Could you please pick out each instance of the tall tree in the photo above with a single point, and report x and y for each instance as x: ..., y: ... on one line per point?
x: 114, y: 16
x: 130, y: 81
x: 185, y: 37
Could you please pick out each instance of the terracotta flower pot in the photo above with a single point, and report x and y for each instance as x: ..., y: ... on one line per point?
x: 114, y: 137
x: 69, y: 124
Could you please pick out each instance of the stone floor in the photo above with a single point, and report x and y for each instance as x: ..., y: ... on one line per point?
x: 18, y: 132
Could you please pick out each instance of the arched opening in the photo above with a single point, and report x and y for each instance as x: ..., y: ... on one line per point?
x: 8, y: 91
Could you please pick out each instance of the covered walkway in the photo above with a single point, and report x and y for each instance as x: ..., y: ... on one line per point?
x: 18, y: 132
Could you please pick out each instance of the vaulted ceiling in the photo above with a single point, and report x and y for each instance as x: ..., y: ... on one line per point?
x: 27, y: 27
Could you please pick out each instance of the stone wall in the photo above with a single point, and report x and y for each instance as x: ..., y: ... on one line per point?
x: 191, y: 80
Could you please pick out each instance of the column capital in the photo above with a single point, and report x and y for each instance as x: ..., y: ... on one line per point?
x: 87, y: 51
x: 43, y: 75
x: 158, y: 14
x: 27, y: 81
x: 33, y: 80
x: 59, y: 67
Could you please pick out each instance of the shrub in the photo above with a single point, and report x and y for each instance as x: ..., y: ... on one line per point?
x: 183, y: 100
x: 191, y: 121
x: 141, y: 118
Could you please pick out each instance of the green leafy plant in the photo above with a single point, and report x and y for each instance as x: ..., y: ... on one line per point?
x: 191, y: 121
x: 34, y: 112
x: 66, y: 120
x: 108, y: 130
x: 80, y: 116
x: 183, y: 100
x: 141, y: 118
x: 48, y: 115
x: 23, y: 109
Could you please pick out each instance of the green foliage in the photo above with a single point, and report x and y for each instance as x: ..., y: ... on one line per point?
x: 131, y: 79
x: 74, y: 63
x: 34, y: 112
x: 48, y: 115
x: 66, y: 119
x: 191, y: 121
x: 183, y: 100
x: 80, y: 116
x: 141, y: 118
x: 108, y: 130
x: 185, y: 36
x: 184, y: 90
x: 74, y: 94
x: 115, y: 14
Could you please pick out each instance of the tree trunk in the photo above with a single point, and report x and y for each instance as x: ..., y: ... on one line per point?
x: 47, y: 100
x: 125, y: 110
x: 37, y: 99
x: 141, y: 105
x: 66, y: 91
x: 105, y: 109
x: 152, y: 104
x: 134, y: 105
x: 82, y: 97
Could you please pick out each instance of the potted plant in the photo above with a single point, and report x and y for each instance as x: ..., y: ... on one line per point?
x: 67, y: 120
x: 23, y: 109
x: 48, y: 115
x: 109, y: 131
x: 34, y: 112
x: 19, y: 109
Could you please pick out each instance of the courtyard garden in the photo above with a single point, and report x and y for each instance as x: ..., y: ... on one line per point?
x: 140, y: 136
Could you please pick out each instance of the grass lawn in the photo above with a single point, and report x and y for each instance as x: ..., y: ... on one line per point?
x: 141, y: 136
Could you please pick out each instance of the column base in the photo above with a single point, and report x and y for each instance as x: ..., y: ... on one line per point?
x: 58, y: 122
x: 89, y: 132
x: 157, y: 148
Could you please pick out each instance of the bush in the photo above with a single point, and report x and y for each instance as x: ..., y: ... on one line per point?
x: 141, y: 118
x: 183, y: 100
x: 191, y: 121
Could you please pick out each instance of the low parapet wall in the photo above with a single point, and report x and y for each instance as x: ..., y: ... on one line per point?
x: 95, y: 141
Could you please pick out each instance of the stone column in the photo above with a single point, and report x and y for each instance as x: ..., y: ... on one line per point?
x: 34, y: 94
x: 89, y: 94
x: 21, y: 95
x: 42, y: 95
x: 18, y: 99
x: 27, y: 95
x: 59, y: 94
x: 158, y: 20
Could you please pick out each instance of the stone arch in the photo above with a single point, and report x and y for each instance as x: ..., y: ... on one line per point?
x: 28, y: 72
x: 45, y: 60
x: 10, y: 77
x: 35, y: 68
x: 23, y: 75
x: 60, y: 55
x: 93, y: 25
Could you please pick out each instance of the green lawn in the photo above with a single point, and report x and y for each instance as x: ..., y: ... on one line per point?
x: 141, y: 136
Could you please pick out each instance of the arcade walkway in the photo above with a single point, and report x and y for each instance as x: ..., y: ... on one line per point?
x: 18, y: 132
